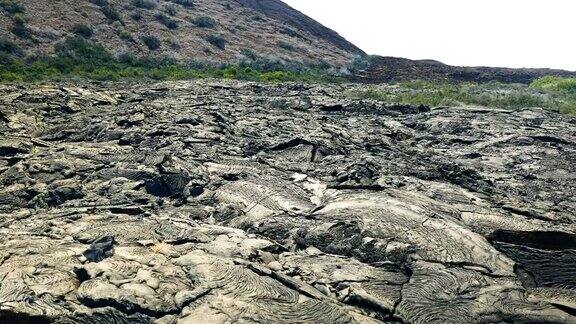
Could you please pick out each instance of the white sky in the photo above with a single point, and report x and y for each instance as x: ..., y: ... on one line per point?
x: 511, y: 33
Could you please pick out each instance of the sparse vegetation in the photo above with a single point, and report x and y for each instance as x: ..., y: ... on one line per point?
x: 567, y: 85
x: 12, y: 7
x: 258, y: 18
x: 116, y: 25
x: 100, y: 3
x: 136, y: 16
x: 80, y: 49
x: 16, y: 12
x: 21, y: 31
x: 111, y: 13
x: 166, y: 21
x: 562, y: 90
x: 291, y: 32
x: 107, y: 10
x: 216, y: 41
x: 19, y: 19
x: 495, y: 95
x: 83, y: 30
x: 121, y: 31
x: 145, y: 4
x: 185, y: 3
x: 287, y: 46
x: 204, y: 22
x: 171, y: 9
x: 78, y: 57
x: 152, y: 42
x: 249, y: 54
x: 9, y: 47
x: 173, y: 43
x: 124, y: 34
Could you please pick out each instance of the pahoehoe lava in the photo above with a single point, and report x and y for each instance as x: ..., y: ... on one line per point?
x: 229, y: 201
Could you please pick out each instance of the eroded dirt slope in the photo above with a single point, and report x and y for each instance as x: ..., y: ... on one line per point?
x: 223, y: 202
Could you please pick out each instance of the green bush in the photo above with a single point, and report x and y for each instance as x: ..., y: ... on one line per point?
x: 543, y: 93
x: 555, y: 83
x: 124, y: 34
x: 171, y: 10
x: 111, y: 13
x: 100, y: 3
x: 79, y: 57
x: 185, y: 3
x: 216, y: 41
x: 83, y: 30
x: 258, y: 18
x: 12, y: 7
x: 78, y: 48
x: 21, y: 31
x: 153, y: 43
x: 145, y: 4
x: 204, y: 22
x: 248, y: 53
x: 136, y: 16
x: 166, y: 21
x: 287, y: 46
x: 9, y: 47
x: 19, y: 19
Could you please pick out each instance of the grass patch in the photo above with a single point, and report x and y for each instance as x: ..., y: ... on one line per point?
x: 563, y: 90
x: 549, y: 93
x: 556, y: 84
x: 79, y: 58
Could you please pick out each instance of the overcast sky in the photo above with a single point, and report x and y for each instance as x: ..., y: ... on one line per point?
x: 512, y: 33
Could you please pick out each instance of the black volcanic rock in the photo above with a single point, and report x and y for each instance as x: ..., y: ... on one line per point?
x: 280, y: 203
x: 388, y: 69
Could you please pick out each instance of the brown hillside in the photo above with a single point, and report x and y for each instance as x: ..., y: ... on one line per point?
x: 206, y: 30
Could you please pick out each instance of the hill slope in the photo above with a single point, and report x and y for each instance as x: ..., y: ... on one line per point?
x: 205, y: 30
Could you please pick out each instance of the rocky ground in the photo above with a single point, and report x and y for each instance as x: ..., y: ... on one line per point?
x: 223, y: 202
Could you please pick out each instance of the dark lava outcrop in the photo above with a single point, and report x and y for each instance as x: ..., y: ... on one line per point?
x: 388, y: 69
x: 224, y: 202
